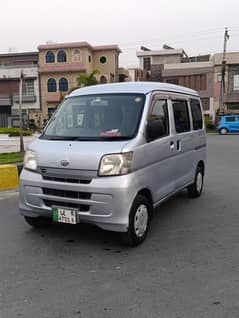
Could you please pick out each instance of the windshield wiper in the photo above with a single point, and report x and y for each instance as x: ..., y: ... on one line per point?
x: 77, y: 138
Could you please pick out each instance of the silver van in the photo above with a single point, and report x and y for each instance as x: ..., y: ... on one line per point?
x: 111, y: 153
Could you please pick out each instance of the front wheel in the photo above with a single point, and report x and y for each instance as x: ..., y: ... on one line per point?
x: 195, y: 189
x: 223, y: 131
x: 139, y: 218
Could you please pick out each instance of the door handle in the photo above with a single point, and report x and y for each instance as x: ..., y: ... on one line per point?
x: 172, y: 145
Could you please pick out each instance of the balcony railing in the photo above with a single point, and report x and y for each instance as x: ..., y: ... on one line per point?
x: 17, y: 66
x: 25, y: 98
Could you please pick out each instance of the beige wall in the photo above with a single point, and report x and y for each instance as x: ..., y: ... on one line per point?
x: 72, y: 82
x: 83, y: 57
x: 109, y: 66
x: 105, y: 69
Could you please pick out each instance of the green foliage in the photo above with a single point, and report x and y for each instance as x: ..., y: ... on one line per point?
x: 12, y: 157
x: 32, y: 124
x: 88, y: 80
x: 209, y: 124
x: 12, y: 132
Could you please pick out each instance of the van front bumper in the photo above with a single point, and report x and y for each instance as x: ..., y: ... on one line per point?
x: 105, y: 201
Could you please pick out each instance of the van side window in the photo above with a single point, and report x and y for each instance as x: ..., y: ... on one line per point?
x: 181, y: 116
x: 160, y: 114
x: 196, y: 114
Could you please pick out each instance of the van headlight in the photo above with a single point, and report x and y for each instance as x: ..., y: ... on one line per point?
x: 116, y: 164
x: 30, y: 161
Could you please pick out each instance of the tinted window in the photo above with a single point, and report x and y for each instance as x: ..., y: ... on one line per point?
x: 61, y: 56
x: 63, y: 85
x: 50, y: 57
x: 230, y: 119
x: 51, y: 85
x: 160, y: 114
x: 181, y: 116
x: 196, y: 114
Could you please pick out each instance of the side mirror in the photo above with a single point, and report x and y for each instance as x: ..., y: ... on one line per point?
x: 154, y: 130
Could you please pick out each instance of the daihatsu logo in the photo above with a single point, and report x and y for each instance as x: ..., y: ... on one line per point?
x: 64, y: 163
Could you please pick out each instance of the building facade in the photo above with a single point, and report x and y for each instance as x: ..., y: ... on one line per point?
x: 61, y: 64
x: 201, y: 73
x: 12, y: 65
x: 231, y: 96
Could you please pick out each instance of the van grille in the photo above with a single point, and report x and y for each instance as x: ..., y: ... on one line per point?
x: 80, y: 207
x: 67, y: 177
x: 67, y: 194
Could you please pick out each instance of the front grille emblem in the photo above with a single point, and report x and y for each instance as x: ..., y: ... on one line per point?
x: 64, y: 163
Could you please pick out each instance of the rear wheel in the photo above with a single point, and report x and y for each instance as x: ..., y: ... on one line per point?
x: 38, y: 222
x: 195, y: 189
x: 223, y: 131
x: 139, y: 218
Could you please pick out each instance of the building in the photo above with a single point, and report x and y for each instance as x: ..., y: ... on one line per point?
x: 11, y: 67
x: 61, y: 63
x: 176, y: 67
x: 231, y: 97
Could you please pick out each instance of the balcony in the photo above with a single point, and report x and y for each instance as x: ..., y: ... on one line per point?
x: 5, y: 100
x: 25, y: 98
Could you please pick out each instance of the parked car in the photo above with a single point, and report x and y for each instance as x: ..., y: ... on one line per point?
x: 228, y: 124
x: 111, y: 154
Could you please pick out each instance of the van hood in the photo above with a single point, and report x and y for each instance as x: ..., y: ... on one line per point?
x: 83, y: 155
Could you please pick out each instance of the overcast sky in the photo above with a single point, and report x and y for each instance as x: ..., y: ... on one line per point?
x: 196, y: 26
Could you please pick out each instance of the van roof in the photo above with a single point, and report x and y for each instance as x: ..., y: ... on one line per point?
x: 132, y: 87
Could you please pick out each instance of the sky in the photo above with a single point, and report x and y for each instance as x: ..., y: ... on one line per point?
x: 196, y: 26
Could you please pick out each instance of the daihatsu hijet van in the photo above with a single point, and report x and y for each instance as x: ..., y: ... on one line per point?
x: 111, y: 153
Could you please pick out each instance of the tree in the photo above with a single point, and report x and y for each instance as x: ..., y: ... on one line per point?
x: 88, y: 80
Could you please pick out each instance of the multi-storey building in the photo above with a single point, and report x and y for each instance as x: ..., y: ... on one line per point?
x: 202, y: 73
x: 61, y: 64
x: 11, y: 67
x: 231, y: 96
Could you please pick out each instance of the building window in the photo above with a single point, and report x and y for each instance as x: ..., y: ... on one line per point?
x: 89, y: 58
x: 103, y: 59
x: 51, y: 85
x: 28, y: 88
x: 233, y: 106
x: 205, y: 103
x: 147, y: 63
x: 61, y: 56
x: 63, y: 85
x: 76, y: 55
x: 50, y: 57
x: 103, y: 80
x: 236, y: 82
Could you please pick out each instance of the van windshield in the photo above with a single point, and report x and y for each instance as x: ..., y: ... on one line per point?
x: 97, y: 117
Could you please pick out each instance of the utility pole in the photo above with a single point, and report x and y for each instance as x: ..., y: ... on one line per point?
x: 223, y: 72
x: 20, y: 113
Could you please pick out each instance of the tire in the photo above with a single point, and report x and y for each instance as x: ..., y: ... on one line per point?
x: 139, y: 219
x: 223, y: 131
x: 38, y: 222
x: 195, y: 189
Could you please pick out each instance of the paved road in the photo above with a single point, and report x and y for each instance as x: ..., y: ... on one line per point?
x: 187, y: 268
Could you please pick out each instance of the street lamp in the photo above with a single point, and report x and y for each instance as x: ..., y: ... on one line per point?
x: 20, y: 112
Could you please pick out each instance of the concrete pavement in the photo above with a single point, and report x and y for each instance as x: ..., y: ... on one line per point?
x: 12, y: 144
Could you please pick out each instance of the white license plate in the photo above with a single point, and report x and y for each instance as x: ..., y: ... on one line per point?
x: 64, y: 215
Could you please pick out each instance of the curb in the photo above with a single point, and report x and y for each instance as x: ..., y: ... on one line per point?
x: 9, y: 177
